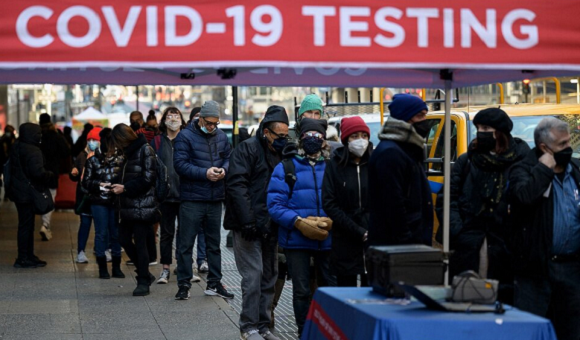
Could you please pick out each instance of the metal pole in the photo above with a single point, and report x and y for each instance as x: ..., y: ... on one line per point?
x: 447, y: 175
x: 137, y: 97
x: 235, y: 115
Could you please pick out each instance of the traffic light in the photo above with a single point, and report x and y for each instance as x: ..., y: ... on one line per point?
x: 526, y: 86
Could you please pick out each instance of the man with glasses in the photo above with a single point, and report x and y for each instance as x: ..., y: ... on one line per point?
x: 201, y: 159
x: 255, y: 236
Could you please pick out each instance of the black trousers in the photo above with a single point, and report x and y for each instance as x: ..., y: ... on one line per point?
x: 169, y: 212
x: 133, y: 237
x: 25, y: 230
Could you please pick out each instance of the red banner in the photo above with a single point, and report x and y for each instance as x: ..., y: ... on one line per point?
x: 498, y: 34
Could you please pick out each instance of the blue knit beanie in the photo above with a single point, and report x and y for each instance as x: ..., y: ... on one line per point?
x: 405, y: 106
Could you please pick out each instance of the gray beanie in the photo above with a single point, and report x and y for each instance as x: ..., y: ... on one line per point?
x: 210, y: 109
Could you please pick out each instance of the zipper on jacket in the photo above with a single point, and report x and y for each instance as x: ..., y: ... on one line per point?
x: 211, y: 161
x: 316, y: 188
x: 359, y: 188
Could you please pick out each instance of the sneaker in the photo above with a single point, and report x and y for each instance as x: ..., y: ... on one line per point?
x: 45, y: 233
x: 25, y: 263
x: 164, y: 277
x: 195, y: 278
x: 204, y: 268
x: 182, y: 294
x: 154, y: 263
x: 217, y: 289
x: 267, y: 335
x: 251, y: 335
x: 82, y: 257
x: 108, y: 255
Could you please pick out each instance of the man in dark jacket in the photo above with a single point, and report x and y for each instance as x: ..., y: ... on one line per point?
x: 255, y: 236
x: 400, y: 197
x: 546, y: 229
x: 201, y: 159
x: 27, y: 173
x: 55, y: 149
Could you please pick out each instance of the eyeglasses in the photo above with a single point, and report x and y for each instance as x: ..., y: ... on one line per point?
x: 173, y: 117
x: 313, y: 134
x: 287, y: 137
x: 210, y: 123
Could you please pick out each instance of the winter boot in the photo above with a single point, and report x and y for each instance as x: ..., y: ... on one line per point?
x: 103, y: 272
x: 117, y: 267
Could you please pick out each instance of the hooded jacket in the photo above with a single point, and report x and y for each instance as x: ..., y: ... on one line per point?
x: 345, y: 200
x: 55, y: 149
x: 251, y: 167
x: 401, y: 208
x: 165, y: 151
x: 27, y: 165
x: 138, y: 202
x: 195, y: 153
x: 306, y: 201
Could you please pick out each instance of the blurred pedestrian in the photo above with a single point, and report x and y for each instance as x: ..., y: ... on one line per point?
x: 544, y: 204
x: 295, y: 204
x: 67, y: 132
x: 136, y: 120
x: 103, y: 169
x: 202, y: 155
x: 194, y: 114
x: 27, y: 173
x: 479, y: 208
x: 138, y: 205
x: 55, y: 149
x: 345, y: 200
x: 81, y: 143
x: 401, y: 208
x: 255, y: 236
x: 6, y: 141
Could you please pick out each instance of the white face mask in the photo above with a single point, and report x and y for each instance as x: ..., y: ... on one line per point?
x: 358, y: 146
x: 173, y: 125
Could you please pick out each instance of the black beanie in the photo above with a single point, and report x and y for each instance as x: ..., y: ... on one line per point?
x: 309, y: 124
x: 496, y: 118
x: 44, y: 118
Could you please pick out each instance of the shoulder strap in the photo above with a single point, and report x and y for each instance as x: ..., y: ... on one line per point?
x: 157, y: 140
x: 289, y: 174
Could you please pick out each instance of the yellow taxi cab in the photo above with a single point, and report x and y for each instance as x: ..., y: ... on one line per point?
x: 525, y: 118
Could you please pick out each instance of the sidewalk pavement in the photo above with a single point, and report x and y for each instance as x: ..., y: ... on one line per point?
x: 67, y: 301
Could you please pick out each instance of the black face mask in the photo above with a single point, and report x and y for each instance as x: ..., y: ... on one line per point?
x: 485, y: 141
x: 563, y: 157
x: 423, y: 127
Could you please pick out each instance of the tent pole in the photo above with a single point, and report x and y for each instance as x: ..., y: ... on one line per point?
x: 137, y: 97
x: 236, y: 132
x: 447, y: 175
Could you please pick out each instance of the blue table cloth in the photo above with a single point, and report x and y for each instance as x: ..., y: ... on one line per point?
x: 360, y: 314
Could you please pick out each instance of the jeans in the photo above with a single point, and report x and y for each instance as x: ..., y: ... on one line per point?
x: 201, y: 253
x: 106, y: 230
x: 556, y: 297
x: 25, y: 230
x: 169, y: 212
x: 133, y: 236
x: 47, y: 217
x: 257, y: 263
x: 192, y: 215
x: 299, y: 268
x: 84, y: 231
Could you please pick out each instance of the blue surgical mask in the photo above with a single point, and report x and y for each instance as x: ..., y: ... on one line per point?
x: 204, y: 129
x: 93, y: 145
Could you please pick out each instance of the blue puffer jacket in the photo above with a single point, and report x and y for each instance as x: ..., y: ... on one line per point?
x: 306, y: 201
x: 194, y: 153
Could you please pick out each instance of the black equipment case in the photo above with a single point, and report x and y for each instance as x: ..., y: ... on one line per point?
x: 411, y: 264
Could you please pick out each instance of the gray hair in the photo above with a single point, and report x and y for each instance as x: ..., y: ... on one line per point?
x: 543, y: 132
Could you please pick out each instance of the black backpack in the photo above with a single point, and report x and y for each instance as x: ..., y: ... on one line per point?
x: 289, y: 175
x: 162, y: 185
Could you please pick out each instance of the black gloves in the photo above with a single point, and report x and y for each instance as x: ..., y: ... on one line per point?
x: 250, y: 232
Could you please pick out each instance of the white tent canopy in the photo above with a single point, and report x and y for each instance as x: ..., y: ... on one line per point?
x: 90, y: 114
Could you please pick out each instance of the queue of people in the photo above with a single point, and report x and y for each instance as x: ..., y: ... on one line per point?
x: 514, y: 211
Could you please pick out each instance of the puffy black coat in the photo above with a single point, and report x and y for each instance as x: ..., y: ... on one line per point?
x: 251, y: 167
x: 400, y: 196
x: 102, y: 169
x: 345, y: 201
x: 533, y: 214
x: 55, y: 149
x: 138, y: 202
x: 27, y: 165
x: 165, y: 152
x: 195, y: 152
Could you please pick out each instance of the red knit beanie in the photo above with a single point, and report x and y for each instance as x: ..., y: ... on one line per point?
x: 94, y: 134
x: 351, y: 125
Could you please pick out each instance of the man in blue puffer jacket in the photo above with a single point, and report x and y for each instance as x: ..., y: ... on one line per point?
x: 304, y: 227
x: 201, y: 159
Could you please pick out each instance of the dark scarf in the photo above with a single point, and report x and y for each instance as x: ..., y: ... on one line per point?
x: 490, y: 181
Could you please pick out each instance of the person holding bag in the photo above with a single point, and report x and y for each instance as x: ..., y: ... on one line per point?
x: 295, y: 204
x: 28, y: 188
x: 345, y: 200
x: 102, y: 170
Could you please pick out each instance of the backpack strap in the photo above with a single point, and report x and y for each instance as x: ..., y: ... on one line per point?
x: 157, y: 144
x: 289, y: 174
